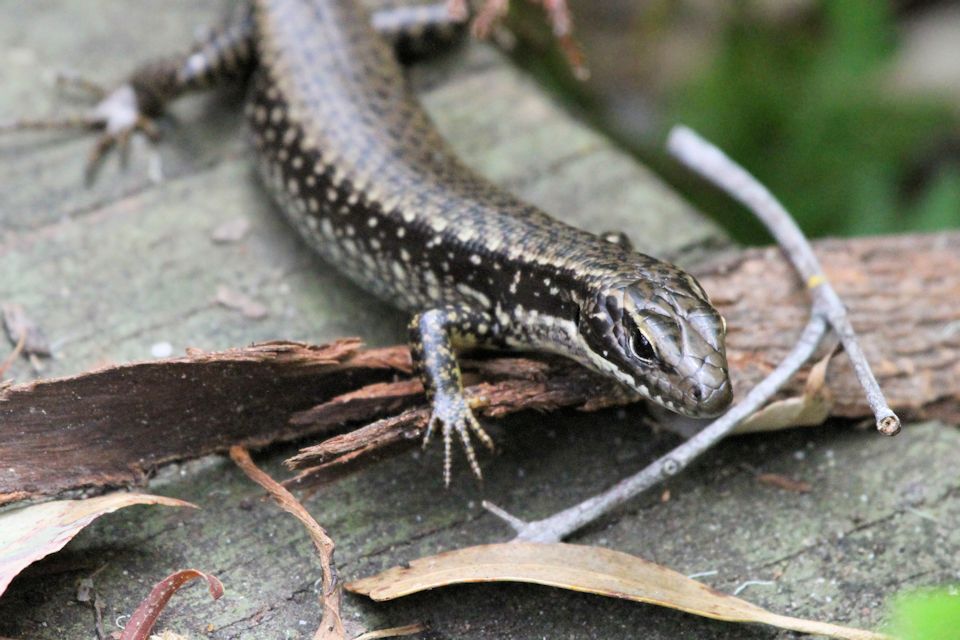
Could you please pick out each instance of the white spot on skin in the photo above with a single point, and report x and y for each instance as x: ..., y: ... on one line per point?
x: 475, y: 259
x: 401, y: 232
x: 474, y: 294
x: 390, y: 205
x: 372, y: 221
x: 502, y: 316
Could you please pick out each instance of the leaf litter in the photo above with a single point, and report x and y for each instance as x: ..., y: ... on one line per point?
x: 586, y: 569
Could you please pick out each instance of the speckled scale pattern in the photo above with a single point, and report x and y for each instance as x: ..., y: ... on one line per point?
x: 226, y: 55
x: 362, y: 173
x: 365, y: 177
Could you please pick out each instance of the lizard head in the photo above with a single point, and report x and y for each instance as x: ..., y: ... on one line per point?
x: 661, y: 337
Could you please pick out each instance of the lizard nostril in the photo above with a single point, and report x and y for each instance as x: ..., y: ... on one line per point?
x: 697, y: 394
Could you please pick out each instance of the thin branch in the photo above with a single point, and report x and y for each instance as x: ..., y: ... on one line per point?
x: 711, y: 163
x: 827, y: 310
x: 13, y: 355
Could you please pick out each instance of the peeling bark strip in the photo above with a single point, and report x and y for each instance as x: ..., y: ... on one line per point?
x: 114, y: 425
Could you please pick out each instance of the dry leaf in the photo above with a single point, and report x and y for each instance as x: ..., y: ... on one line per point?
x: 809, y: 410
x: 785, y: 483
x: 143, y: 619
x: 31, y: 533
x: 392, y: 632
x: 589, y: 569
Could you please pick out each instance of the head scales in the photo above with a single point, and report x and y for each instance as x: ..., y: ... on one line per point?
x: 652, y: 327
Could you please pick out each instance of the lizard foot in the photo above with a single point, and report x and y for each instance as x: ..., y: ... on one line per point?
x: 491, y: 12
x: 452, y: 414
x: 117, y: 116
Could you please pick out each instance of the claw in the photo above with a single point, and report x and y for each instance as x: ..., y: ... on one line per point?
x: 491, y: 12
x: 75, y: 80
x: 117, y: 115
x: 482, y: 435
x: 447, y: 455
x: 429, y: 434
x: 468, y: 449
x: 454, y: 416
x: 88, y: 121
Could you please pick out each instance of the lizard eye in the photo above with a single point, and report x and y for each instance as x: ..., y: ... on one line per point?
x: 638, y: 343
x: 641, y: 347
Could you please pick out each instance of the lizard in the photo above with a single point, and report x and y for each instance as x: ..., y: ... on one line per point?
x: 359, y: 170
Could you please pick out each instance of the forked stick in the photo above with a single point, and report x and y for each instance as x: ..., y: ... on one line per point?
x: 711, y: 163
x: 827, y: 311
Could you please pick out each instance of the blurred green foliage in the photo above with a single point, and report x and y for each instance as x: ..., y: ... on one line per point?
x: 926, y: 615
x: 804, y: 107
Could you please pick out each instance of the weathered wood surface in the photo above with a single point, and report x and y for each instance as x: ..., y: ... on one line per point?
x: 123, y: 269
x: 903, y: 294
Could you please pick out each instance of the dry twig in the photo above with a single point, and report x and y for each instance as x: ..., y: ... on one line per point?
x: 715, y: 166
x: 331, y: 626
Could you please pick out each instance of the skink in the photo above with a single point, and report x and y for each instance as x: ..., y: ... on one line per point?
x: 365, y: 178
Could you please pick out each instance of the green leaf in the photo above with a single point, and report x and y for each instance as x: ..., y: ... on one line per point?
x: 927, y: 615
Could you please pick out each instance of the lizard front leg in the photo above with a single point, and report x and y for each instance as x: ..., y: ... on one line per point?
x: 434, y: 336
